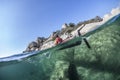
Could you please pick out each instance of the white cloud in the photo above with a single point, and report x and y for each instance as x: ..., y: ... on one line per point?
x: 113, y: 12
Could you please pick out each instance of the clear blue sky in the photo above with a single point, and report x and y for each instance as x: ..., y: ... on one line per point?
x: 22, y: 21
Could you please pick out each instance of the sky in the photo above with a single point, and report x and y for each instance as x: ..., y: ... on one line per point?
x: 22, y: 21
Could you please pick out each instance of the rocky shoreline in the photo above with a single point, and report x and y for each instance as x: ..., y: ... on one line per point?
x: 67, y: 31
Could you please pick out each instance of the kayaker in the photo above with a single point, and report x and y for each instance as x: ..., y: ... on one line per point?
x: 58, y: 40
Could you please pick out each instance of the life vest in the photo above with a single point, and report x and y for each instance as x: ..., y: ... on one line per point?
x: 58, y: 40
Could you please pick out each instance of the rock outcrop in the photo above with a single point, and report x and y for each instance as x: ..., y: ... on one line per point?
x: 64, y: 26
x: 35, y: 45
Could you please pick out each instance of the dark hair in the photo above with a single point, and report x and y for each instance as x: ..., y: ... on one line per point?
x: 57, y: 36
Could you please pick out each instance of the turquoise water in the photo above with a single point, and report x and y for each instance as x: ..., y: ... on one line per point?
x: 58, y: 63
x: 31, y: 68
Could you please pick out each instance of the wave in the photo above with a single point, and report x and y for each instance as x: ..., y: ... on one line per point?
x: 18, y: 56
